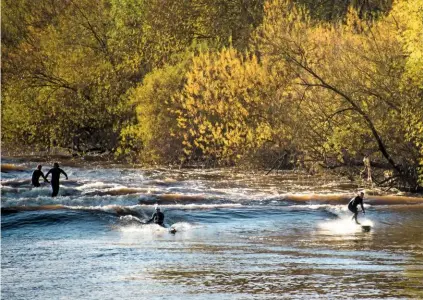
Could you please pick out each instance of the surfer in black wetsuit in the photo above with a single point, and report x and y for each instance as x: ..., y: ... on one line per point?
x: 157, y: 217
x: 36, y: 176
x: 55, y: 176
x: 352, y: 206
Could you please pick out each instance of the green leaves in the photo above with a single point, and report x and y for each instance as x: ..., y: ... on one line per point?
x: 155, y: 137
x: 218, y: 81
x: 73, y: 62
x: 350, y: 76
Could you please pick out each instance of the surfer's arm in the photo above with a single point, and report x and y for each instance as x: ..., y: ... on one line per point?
x: 45, y: 177
x: 64, y: 173
x: 152, y: 218
x: 362, y: 207
x: 47, y: 174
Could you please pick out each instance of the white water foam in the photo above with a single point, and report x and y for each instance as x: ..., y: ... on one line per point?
x: 344, y: 226
x: 184, y: 226
x: 40, y: 200
x: 131, y: 218
x: 43, y: 197
x: 111, y: 208
x: 153, y: 229
x: 150, y: 229
x: 193, y: 206
x: 95, y: 186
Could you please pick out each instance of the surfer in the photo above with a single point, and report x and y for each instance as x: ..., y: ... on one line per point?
x: 36, y: 176
x: 157, y: 217
x: 55, y: 176
x: 352, y: 206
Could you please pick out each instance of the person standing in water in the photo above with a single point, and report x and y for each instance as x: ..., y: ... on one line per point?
x: 352, y: 206
x: 157, y: 217
x: 55, y: 178
x: 36, y: 176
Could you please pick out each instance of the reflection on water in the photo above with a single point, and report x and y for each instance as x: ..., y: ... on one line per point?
x: 335, y: 259
x: 239, y: 236
x: 413, y: 277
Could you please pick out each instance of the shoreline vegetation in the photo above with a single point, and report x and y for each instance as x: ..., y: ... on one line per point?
x: 320, y: 87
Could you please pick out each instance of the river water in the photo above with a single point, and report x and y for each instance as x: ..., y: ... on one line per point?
x: 240, y: 235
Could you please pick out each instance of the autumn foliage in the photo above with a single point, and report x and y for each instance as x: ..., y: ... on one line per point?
x: 308, y: 83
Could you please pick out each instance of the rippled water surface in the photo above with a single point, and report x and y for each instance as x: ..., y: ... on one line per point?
x: 239, y: 236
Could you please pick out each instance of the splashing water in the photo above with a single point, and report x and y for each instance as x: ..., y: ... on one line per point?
x: 239, y: 236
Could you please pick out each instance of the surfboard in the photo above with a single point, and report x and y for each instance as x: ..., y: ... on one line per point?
x: 366, y: 227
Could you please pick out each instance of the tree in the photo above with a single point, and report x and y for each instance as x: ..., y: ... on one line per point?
x: 155, y: 137
x: 334, y: 10
x: 68, y: 82
x: 355, y: 67
x: 224, y: 110
x: 409, y: 25
x: 69, y: 64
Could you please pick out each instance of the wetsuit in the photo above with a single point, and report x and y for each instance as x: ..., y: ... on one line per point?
x: 55, y: 176
x: 36, y: 177
x: 352, y: 205
x: 158, y: 218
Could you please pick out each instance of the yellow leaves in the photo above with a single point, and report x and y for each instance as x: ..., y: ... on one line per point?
x: 187, y: 151
x: 182, y: 122
x: 414, y: 134
x: 217, y: 103
x: 408, y: 16
x: 338, y: 73
x: 353, y: 22
x: 159, y: 119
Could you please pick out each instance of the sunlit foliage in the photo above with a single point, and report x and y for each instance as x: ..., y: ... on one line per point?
x: 355, y: 68
x: 220, y: 108
x: 155, y: 137
x: 68, y: 65
x: 219, y: 81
